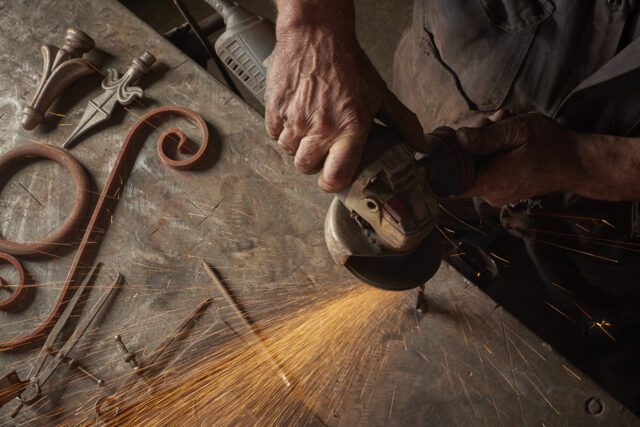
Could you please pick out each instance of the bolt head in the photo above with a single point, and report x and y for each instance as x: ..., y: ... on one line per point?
x: 594, y: 406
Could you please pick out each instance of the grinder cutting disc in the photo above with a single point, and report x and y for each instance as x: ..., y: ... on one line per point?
x: 400, y: 272
x: 359, y: 250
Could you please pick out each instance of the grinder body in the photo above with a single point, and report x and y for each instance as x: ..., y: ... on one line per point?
x: 381, y: 228
x: 246, y: 43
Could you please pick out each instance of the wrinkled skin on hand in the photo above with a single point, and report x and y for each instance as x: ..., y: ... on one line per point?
x: 322, y: 96
x: 521, y: 157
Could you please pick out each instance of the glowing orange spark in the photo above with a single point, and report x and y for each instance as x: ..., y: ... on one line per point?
x: 499, y: 257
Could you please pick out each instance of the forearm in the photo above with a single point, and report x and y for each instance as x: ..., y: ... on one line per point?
x: 337, y: 16
x: 609, y: 167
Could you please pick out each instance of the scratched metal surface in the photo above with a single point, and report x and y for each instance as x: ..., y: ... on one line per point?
x: 466, y: 362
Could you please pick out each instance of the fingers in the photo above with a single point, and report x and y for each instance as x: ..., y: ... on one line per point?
x: 481, y: 122
x: 289, y: 140
x: 494, y: 138
x: 499, y: 115
x: 494, y: 117
x: 484, y: 187
x: 311, y: 154
x: 340, y: 155
x: 342, y: 161
x: 504, y: 179
x: 273, y: 122
x: 394, y: 113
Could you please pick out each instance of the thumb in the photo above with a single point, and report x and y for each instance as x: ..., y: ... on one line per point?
x: 395, y: 114
x: 342, y: 161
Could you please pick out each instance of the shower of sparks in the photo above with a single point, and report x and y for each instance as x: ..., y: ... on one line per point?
x: 570, y: 371
x: 585, y: 312
x: 235, y: 383
x: 573, y: 217
x: 608, y: 223
x: 589, y: 254
x: 582, y: 228
x: 562, y: 288
x: 563, y: 314
x: 499, y: 257
x: 602, y: 325
x: 612, y: 243
x: 461, y: 221
x: 448, y: 239
x: 458, y: 254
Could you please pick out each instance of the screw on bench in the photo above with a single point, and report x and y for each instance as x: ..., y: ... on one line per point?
x: 129, y: 356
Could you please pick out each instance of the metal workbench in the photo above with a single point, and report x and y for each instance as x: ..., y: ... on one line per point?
x: 261, y: 225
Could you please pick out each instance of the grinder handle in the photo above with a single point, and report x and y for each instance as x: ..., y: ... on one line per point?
x: 452, y: 170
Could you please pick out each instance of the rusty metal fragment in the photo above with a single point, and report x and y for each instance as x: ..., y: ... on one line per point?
x: 59, y: 72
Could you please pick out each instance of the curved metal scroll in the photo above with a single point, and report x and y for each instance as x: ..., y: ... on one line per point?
x: 109, y: 196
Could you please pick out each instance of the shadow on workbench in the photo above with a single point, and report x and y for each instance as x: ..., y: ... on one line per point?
x: 519, y: 288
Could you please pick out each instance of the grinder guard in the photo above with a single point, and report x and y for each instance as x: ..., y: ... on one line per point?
x: 382, y: 228
x: 351, y: 246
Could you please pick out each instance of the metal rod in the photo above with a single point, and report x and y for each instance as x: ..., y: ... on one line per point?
x: 74, y: 364
x: 79, y: 331
x: 170, y: 339
x: 108, y: 407
x: 250, y: 327
x: 38, y: 364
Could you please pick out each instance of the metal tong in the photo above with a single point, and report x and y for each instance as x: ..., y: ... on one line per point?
x: 49, y: 359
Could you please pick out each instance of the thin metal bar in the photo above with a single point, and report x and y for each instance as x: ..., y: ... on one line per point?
x: 250, y: 327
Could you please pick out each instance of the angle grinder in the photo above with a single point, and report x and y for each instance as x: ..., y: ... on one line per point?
x: 381, y: 228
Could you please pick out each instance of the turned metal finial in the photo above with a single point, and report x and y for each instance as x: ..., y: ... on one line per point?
x: 59, y: 72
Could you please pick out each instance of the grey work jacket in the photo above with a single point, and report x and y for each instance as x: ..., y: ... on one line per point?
x: 577, y: 61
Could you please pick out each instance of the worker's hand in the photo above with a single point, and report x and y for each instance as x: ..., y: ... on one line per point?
x: 322, y: 96
x: 521, y: 157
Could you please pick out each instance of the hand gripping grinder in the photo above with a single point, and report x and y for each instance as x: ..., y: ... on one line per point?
x: 381, y: 228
